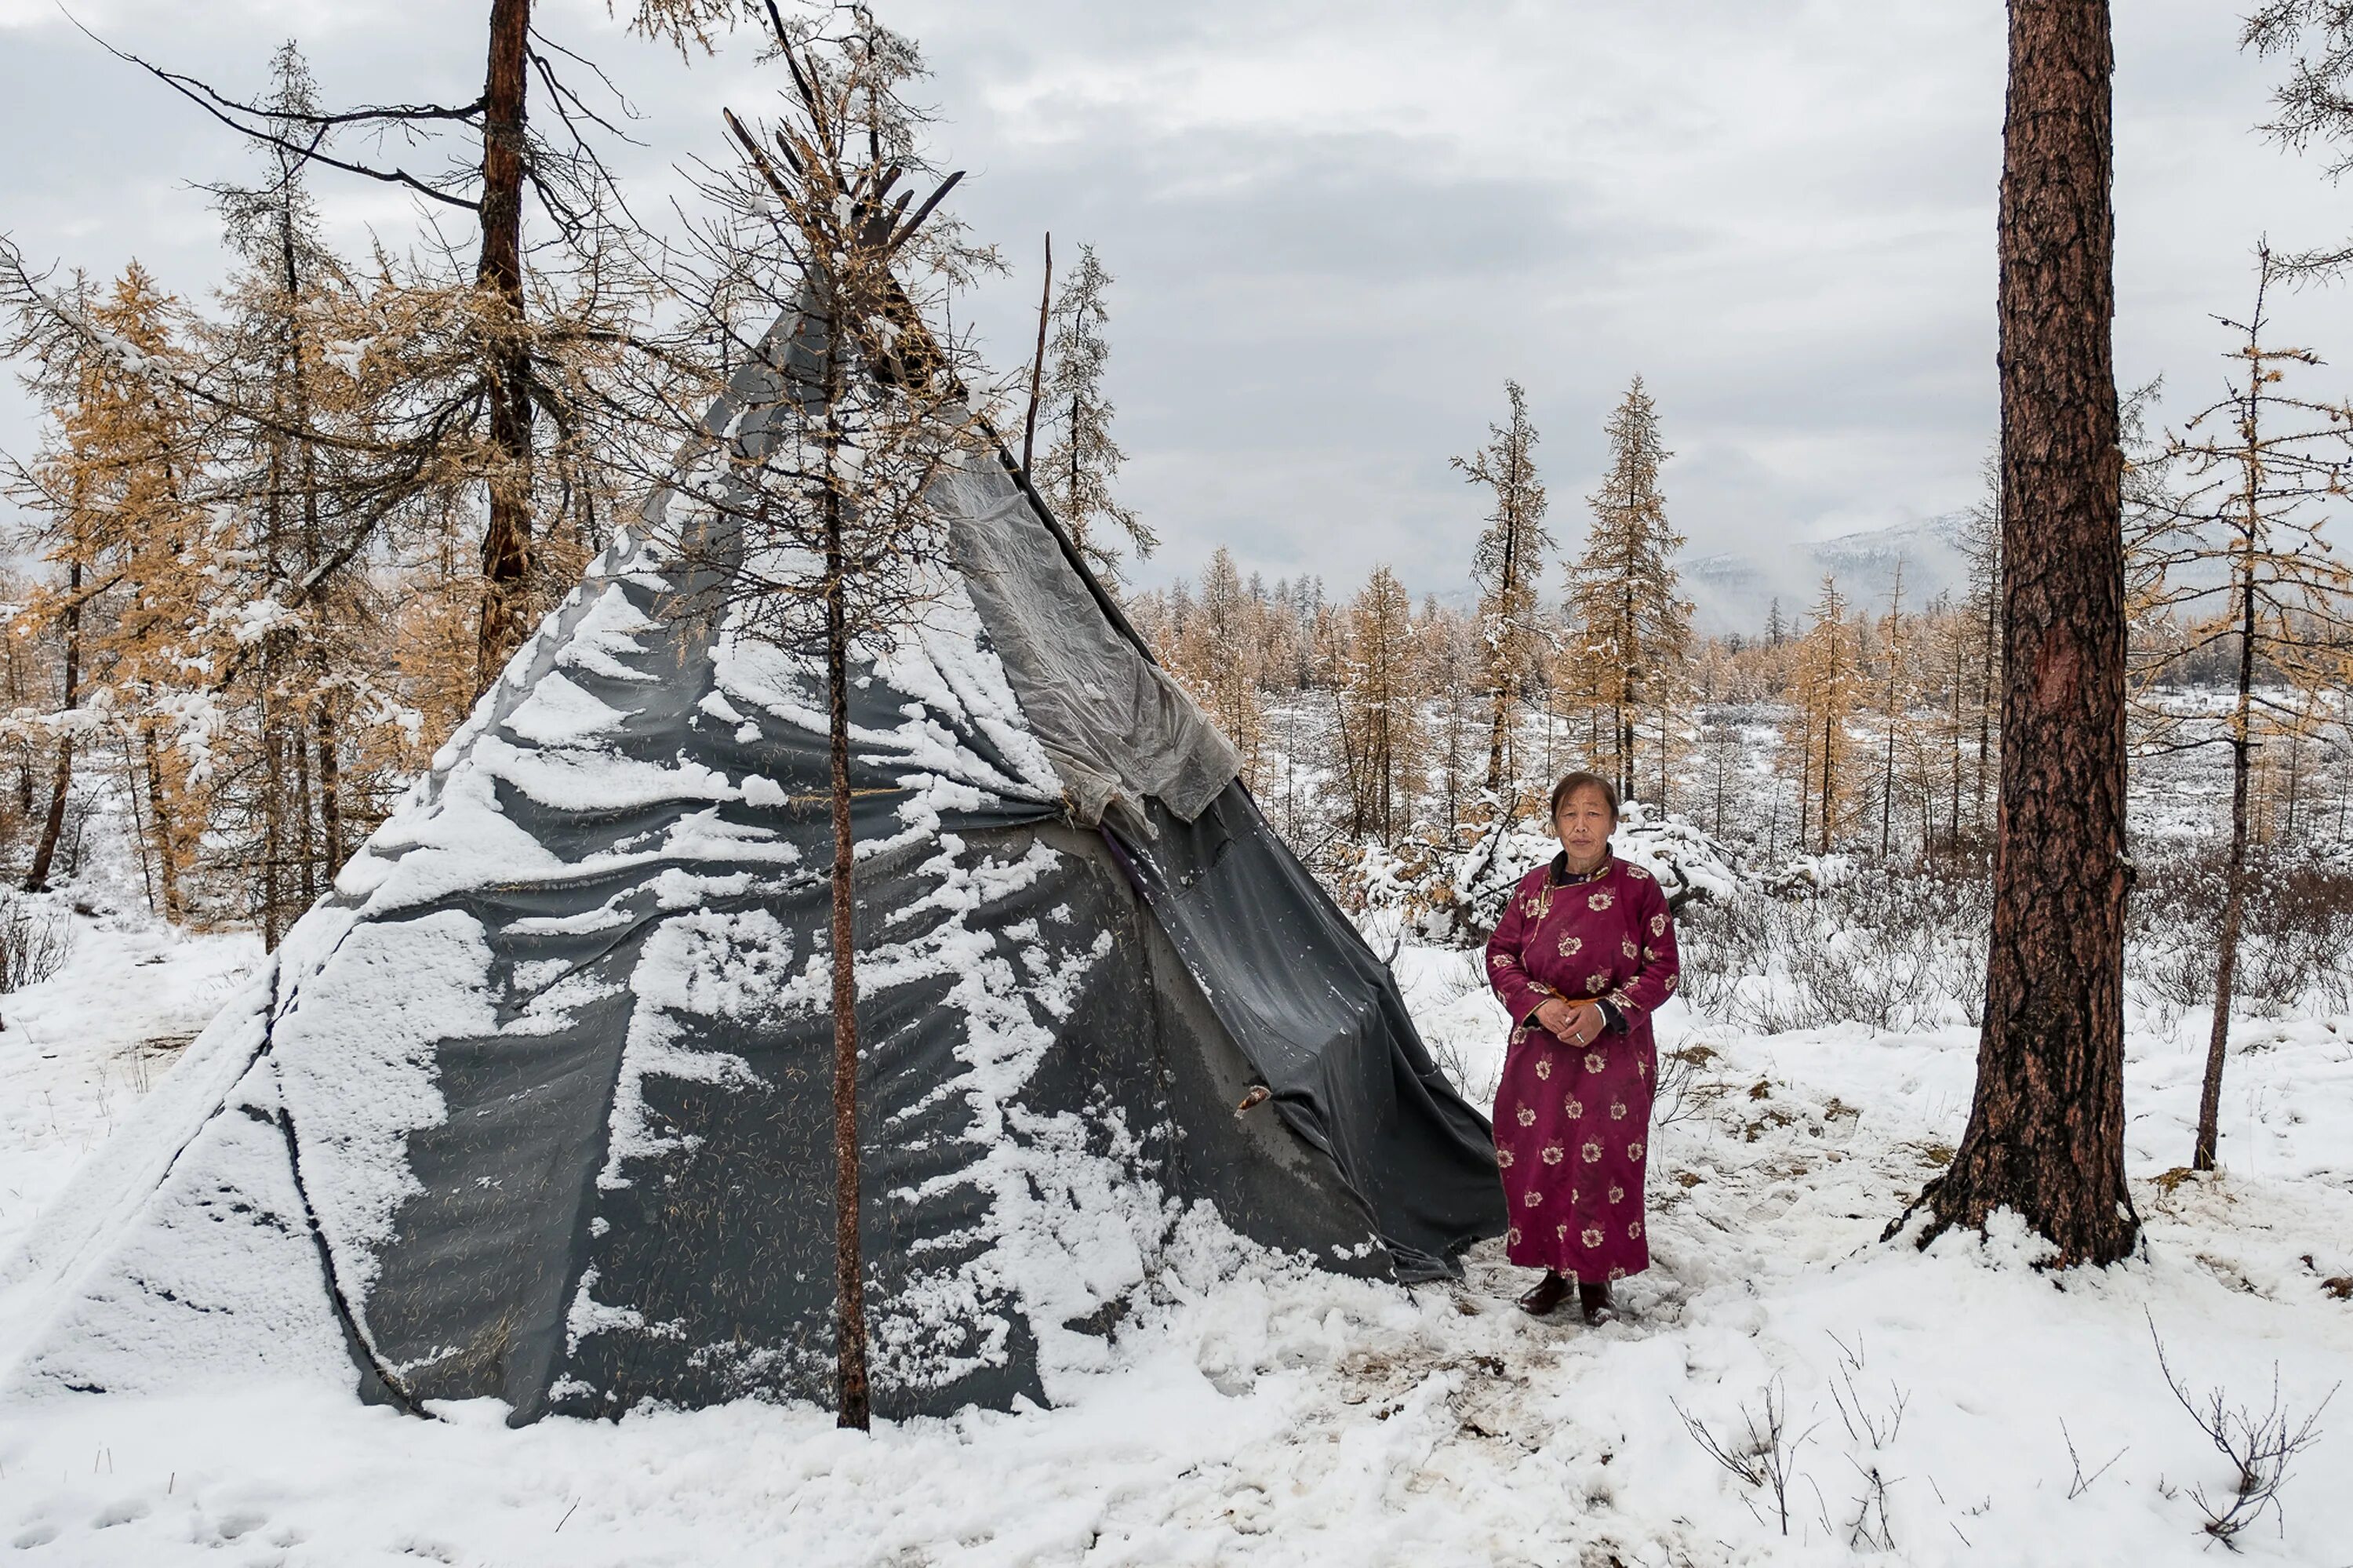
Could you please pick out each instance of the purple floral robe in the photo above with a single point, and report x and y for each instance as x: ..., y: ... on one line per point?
x: 1572, y: 1127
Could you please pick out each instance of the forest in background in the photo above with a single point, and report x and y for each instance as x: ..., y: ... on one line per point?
x: 275, y: 544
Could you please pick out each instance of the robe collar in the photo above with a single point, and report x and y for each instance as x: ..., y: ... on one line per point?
x: 1558, y: 874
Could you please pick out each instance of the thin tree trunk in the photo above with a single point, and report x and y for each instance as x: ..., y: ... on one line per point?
x: 305, y: 869
x: 331, y: 787
x: 273, y: 815
x: 506, y: 539
x: 1507, y: 593
x: 139, y: 833
x: 159, y: 821
x: 1663, y: 762
x: 1894, y: 693
x: 2045, y: 1134
x: 1991, y: 634
x: 36, y: 879
x: 1830, y: 718
x: 853, y: 1403
x: 1960, y: 675
x: 2295, y: 781
x: 1805, y: 781
x: 1628, y: 680
x: 2234, y: 888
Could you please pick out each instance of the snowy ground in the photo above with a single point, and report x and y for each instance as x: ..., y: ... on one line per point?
x: 1270, y: 1414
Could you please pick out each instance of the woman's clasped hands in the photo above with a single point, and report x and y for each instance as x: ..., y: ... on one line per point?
x: 1574, y: 1023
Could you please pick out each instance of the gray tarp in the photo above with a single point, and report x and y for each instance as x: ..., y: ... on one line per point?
x: 614, y: 1182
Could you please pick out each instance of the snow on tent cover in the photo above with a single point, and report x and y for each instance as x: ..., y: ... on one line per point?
x: 536, y: 1105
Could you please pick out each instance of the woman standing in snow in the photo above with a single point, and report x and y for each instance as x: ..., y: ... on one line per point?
x: 1585, y: 950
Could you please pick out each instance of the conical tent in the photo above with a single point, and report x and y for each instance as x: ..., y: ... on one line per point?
x: 537, y: 1103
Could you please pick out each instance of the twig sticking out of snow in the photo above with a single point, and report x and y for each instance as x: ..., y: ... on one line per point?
x: 1870, y: 1529
x: 2082, y: 1483
x: 2260, y: 1447
x: 1764, y: 1455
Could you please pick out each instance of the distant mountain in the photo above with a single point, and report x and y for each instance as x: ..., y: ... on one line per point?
x: 1734, y: 591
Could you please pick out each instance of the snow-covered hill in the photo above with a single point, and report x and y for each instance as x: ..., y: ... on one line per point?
x: 1733, y: 590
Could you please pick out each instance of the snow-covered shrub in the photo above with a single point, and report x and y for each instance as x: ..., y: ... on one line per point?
x: 1465, y: 906
x: 2295, y: 942
x: 35, y: 936
x: 1896, y: 949
x: 1832, y: 939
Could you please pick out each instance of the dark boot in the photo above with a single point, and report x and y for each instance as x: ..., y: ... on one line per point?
x: 1593, y: 1301
x: 1544, y: 1295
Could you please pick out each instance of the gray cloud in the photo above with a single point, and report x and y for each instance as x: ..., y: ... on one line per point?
x: 1337, y: 228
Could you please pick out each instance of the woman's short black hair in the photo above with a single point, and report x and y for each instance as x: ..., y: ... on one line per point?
x: 1572, y: 782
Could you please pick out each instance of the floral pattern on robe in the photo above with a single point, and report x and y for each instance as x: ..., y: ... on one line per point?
x: 1573, y: 1127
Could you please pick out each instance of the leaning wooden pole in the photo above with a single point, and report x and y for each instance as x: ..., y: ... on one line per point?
x: 2045, y: 1134
x: 1037, y: 361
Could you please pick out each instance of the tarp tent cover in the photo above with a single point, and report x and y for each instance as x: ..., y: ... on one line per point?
x: 537, y: 1103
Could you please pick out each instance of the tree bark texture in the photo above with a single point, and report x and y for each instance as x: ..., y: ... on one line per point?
x: 850, y: 1274
x: 506, y: 539
x: 2045, y: 1135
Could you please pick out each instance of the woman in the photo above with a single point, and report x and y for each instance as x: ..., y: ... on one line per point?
x: 1584, y: 952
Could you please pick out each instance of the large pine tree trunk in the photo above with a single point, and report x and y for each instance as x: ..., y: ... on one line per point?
x: 506, y: 540
x: 2045, y: 1135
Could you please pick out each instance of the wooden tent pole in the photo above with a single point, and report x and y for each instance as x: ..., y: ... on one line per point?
x: 1038, y: 363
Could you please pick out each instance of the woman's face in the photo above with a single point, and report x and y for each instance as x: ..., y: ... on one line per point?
x: 1584, y: 822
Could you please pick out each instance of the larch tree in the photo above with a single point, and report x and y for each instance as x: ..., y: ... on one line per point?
x: 1380, y: 707
x: 1081, y: 458
x: 1893, y: 688
x: 832, y: 546
x: 1827, y: 689
x: 1627, y: 616
x: 509, y: 381
x: 2045, y: 1132
x: 299, y: 668
x: 1222, y: 660
x: 1505, y: 565
x: 2315, y: 104
x: 1982, y: 643
x: 2263, y: 468
x: 118, y: 519
x: 1453, y: 671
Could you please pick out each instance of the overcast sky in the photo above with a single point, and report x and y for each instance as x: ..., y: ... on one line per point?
x: 1337, y: 227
